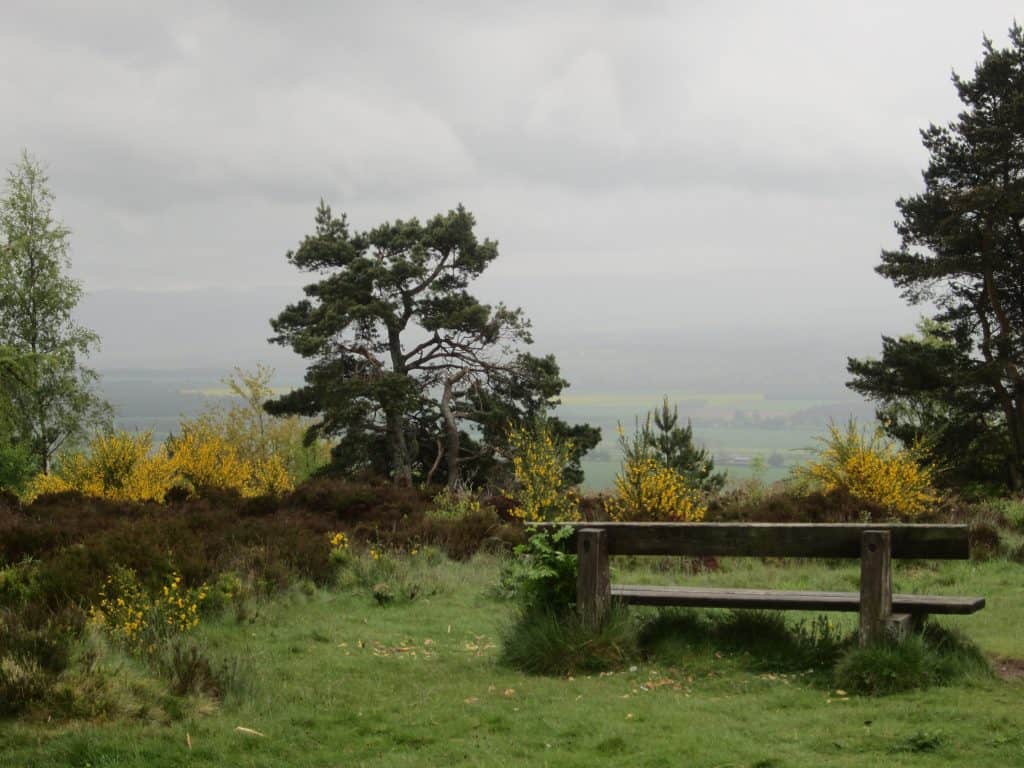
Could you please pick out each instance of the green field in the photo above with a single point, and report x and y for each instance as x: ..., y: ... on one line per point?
x: 336, y: 680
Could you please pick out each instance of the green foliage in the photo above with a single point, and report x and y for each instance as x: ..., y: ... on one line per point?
x: 46, y: 395
x: 958, y: 384
x: 936, y: 657
x: 516, y: 399
x: 542, y: 574
x: 17, y: 466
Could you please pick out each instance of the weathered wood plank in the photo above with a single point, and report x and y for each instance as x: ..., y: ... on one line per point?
x: 875, y: 586
x: 827, y: 540
x: 717, y: 597
x: 593, y: 580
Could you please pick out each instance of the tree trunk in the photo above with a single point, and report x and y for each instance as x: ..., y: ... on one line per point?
x: 451, y: 429
x: 437, y: 462
x: 401, y: 468
x: 401, y: 463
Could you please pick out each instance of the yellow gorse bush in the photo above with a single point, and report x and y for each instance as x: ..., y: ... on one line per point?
x: 873, y: 470
x: 538, y: 461
x: 42, y: 484
x: 203, y: 459
x: 136, y: 619
x: 206, y: 460
x: 269, y: 476
x: 255, y: 435
x: 648, y: 490
x: 125, y: 467
x: 120, y: 466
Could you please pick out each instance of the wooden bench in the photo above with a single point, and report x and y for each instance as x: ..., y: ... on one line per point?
x: 882, y: 614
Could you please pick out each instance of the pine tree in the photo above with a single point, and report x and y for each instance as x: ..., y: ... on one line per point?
x: 959, y: 385
x: 403, y: 357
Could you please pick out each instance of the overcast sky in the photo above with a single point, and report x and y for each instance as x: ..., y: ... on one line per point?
x: 690, y: 168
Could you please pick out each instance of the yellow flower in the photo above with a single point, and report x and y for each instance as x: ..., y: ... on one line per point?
x: 538, y: 461
x: 648, y: 490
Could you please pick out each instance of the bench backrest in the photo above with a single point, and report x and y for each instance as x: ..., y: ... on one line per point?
x: 827, y: 540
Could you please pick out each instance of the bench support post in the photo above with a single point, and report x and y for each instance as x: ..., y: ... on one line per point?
x: 593, y: 583
x: 900, y: 626
x: 876, y: 589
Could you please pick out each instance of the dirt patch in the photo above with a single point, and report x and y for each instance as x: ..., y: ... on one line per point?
x: 1008, y: 668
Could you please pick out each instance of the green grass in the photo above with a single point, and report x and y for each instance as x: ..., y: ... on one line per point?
x: 334, y: 679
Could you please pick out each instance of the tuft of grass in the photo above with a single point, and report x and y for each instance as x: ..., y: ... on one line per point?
x: 545, y: 642
x: 22, y: 683
x: 922, y: 741
x: 191, y: 668
x: 390, y: 576
x: 938, y: 656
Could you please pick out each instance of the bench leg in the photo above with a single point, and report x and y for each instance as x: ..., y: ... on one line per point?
x: 875, y: 587
x: 593, y: 583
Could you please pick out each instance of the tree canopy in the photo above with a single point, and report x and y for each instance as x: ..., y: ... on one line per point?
x: 959, y: 383
x: 48, y: 394
x: 409, y: 372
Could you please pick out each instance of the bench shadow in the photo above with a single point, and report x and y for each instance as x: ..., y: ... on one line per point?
x: 817, y: 651
x: 758, y: 641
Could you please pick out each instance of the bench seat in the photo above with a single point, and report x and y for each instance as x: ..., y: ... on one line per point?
x: 787, y: 600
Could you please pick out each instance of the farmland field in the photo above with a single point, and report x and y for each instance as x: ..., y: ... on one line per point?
x: 738, y: 428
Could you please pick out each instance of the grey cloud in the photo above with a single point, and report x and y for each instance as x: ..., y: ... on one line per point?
x: 746, y: 154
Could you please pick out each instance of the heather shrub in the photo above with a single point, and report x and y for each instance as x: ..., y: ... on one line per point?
x: 22, y: 683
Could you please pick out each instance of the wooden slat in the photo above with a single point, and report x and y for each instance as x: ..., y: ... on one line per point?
x: 787, y: 600
x: 838, y: 540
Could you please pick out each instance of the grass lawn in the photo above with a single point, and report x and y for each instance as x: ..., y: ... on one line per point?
x: 337, y: 680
